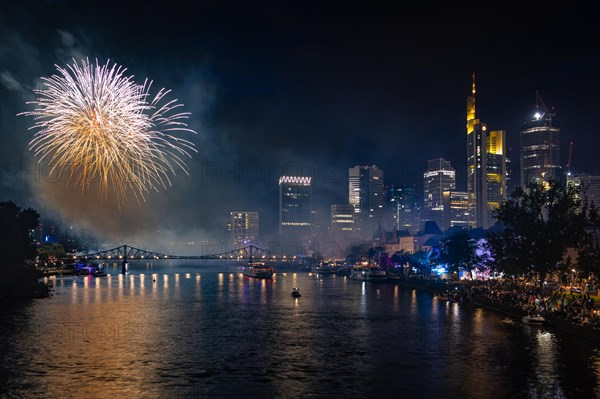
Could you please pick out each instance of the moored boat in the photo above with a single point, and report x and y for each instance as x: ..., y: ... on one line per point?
x: 364, y: 273
x: 323, y: 268
x: 258, y: 270
x: 534, y: 320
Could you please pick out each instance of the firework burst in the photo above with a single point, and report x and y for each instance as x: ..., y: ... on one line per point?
x: 96, y: 125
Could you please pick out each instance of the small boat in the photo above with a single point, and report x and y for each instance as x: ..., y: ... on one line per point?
x: 443, y: 297
x: 295, y: 293
x: 533, y: 320
x: 100, y: 272
x: 258, y: 270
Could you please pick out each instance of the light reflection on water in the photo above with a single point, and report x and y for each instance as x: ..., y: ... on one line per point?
x: 207, y: 330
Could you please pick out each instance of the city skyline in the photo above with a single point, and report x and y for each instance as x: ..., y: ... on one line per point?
x: 303, y: 91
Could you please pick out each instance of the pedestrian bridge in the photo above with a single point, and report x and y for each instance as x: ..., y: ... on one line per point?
x: 249, y: 252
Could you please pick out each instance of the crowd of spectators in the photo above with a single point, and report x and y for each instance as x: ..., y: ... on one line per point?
x: 554, y: 301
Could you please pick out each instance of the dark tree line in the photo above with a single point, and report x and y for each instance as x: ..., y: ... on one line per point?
x: 18, y: 276
x: 537, y: 228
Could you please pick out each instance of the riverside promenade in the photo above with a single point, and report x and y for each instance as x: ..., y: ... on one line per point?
x: 573, y: 314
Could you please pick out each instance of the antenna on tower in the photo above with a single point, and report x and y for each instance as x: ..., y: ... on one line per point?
x: 473, y: 90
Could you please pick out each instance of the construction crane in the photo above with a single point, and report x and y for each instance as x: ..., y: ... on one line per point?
x: 569, y: 162
x: 537, y: 105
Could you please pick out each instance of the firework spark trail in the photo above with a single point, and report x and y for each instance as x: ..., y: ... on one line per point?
x: 96, y: 124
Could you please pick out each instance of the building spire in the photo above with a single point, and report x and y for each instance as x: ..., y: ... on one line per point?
x: 471, y: 117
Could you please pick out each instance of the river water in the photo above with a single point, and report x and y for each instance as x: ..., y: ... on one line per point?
x: 179, y: 330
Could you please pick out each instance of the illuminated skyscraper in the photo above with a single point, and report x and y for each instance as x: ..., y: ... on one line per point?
x: 540, y: 149
x: 439, y: 177
x: 295, y: 206
x: 365, y: 194
x: 486, y: 166
x: 244, y: 228
x: 342, y: 221
x: 457, y: 210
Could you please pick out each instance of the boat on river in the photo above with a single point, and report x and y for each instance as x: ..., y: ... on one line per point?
x: 366, y: 273
x: 323, y: 268
x: 258, y: 270
x: 536, y: 320
x: 295, y: 293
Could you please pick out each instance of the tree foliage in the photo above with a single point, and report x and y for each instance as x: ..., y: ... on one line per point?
x: 16, y: 243
x: 459, y: 251
x: 539, y: 224
x: 588, y: 252
x: 18, y: 276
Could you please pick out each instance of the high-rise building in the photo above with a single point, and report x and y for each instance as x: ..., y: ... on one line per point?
x: 244, y: 228
x: 486, y: 166
x: 295, y: 206
x: 402, y: 212
x: 540, y: 149
x: 457, y: 210
x: 590, y: 184
x: 439, y: 177
x: 365, y: 194
x: 509, y: 171
x: 342, y: 221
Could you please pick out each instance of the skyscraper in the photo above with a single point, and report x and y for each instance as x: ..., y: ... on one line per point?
x: 295, y: 206
x: 590, y: 184
x: 439, y: 177
x: 402, y: 211
x: 486, y: 166
x: 365, y: 194
x: 342, y: 221
x: 457, y: 210
x: 540, y: 148
x: 244, y: 228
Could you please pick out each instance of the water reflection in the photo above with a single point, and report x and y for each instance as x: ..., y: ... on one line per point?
x: 211, y: 332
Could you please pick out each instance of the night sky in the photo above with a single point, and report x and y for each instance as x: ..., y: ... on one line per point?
x: 303, y: 87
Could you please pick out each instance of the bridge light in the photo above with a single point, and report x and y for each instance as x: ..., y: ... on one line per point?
x: 142, y: 256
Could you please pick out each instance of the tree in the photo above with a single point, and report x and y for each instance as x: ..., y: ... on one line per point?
x: 18, y: 276
x: 401, y: 257
x: 51, y: 252
x: 358, y: 252
x: 539, y: 224
x: 588, y: 251
x: 421, y: 260
x: 458, y: 251
x: 16, y: 243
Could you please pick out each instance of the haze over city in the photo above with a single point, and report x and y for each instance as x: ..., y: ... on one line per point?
x: 292, y: 89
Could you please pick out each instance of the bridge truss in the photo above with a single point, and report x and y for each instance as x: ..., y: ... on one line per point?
x: 249, y: 252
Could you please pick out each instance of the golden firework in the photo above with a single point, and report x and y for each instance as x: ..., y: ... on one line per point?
x: 97, y: 125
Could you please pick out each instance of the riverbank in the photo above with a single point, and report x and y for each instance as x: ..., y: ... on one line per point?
x: 442, y: 286
x: 22, y: 282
